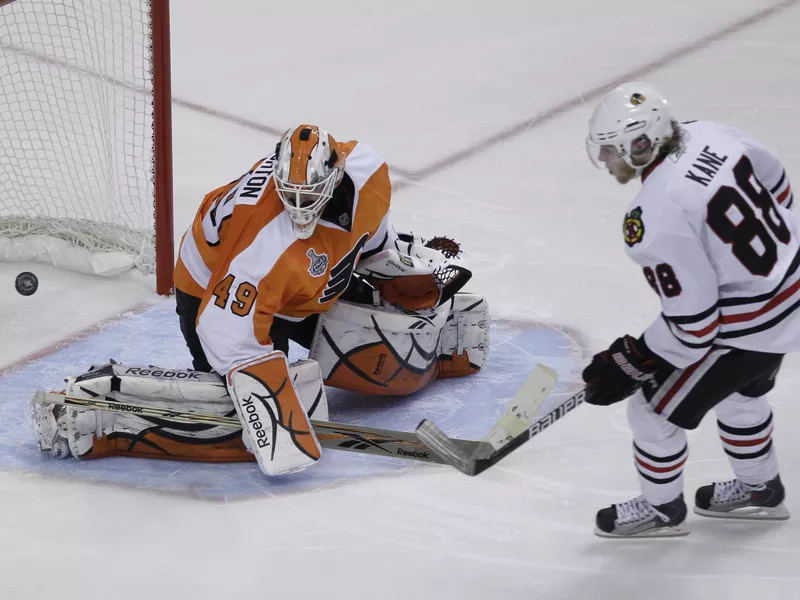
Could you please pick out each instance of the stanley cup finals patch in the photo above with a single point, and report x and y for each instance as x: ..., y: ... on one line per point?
x: 633, y: 227
x: 319, y: 263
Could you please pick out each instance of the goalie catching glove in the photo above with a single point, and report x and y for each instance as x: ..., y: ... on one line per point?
x: 417, y: 274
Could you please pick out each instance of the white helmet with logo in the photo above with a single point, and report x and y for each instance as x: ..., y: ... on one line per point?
x: 307, y: 170
x: 635, y: 120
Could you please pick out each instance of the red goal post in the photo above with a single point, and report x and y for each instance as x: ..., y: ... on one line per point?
x: 86, y: 135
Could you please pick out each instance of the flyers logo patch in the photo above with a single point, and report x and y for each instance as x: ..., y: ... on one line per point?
x: 633, y: 227
x: 341, y: 272
x: 319, y: 263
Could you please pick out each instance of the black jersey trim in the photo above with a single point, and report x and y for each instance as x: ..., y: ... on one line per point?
x: 689, y: 319
x: 375, y: 250
x: 779, y: 184
x: 692, y: 345
x: 767, y: 296
x: 759, y: 328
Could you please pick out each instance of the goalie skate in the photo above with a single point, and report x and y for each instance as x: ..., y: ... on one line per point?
x: 735, y: 499
x: 51, y: 435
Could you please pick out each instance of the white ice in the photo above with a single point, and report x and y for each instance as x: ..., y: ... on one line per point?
x: 477, y: 107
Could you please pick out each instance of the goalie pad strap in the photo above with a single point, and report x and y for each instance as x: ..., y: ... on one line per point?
x: 464, y: 345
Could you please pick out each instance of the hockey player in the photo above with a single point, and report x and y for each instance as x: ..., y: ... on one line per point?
x: 712, y: 231
x: 300, y: 247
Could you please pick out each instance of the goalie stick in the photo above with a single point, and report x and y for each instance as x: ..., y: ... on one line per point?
x: 335, y: 436
x: 358, y: 438
x: 489, y: 453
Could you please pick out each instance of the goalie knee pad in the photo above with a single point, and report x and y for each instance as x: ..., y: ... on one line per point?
x: 383, y: 351
x: 87, y: 433
x: 377, y: 351
x: 464, y: 345
x: 276, y: 428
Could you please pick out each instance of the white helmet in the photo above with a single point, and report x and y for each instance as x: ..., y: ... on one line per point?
x: 307, y: 170
x: 635, y: 120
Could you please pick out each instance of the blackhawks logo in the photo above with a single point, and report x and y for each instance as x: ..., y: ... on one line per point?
x: 637, y: 99
x: 633, y: 227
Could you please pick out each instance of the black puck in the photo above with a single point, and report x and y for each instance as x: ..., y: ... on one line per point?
x: 27, y: 283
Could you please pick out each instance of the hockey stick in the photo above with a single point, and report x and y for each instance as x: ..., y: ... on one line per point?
x: 359, y: 438
x: 488, y: 453
x: 335, y: 436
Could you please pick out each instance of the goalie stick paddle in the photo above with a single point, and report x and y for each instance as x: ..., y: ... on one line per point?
x: 335, y: 436
x: 487, y: 454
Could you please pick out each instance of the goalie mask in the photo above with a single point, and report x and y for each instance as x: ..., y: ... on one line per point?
x: 630, y: 123
x: 307, y: 170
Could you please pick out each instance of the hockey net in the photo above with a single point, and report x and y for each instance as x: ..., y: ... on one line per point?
x: 85, y: 168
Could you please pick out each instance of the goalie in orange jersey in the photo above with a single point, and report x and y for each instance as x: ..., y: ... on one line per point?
x: 301, y: 247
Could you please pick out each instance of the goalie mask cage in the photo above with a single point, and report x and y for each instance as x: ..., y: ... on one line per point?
x: 85, y: 135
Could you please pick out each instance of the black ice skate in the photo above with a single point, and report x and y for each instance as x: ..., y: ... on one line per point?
x: 737, y: 500
x: 639, y: 518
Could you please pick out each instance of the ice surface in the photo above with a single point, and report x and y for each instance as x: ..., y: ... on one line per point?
x: 476, y: 106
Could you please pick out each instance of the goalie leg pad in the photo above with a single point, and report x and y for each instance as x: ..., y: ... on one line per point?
x: 377, y: 350
x: 88, y: 433
x: 65, y: 431
x: 464, y: 344
x: 275, y: 426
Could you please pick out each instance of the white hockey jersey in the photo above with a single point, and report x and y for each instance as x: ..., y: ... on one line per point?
x: 712, y: 230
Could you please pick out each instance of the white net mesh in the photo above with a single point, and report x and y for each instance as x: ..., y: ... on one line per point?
x: 76, y: 124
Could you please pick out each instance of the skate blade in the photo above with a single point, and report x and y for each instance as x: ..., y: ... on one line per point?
x: 749, y: 513
x: 661, y: 532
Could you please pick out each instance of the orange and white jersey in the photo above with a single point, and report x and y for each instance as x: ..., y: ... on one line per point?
x: 242, y: 258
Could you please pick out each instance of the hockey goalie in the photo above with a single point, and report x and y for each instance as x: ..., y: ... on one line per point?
x: 299, y: 248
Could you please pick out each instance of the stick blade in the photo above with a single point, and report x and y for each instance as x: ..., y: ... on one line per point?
x: 433, y: 437
x: 512, y: 426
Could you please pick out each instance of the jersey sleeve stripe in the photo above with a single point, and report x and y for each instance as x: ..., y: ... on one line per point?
x: 701, y: 332
x: 193, y: 261
x: 774, y: 302
x: 762, y: 327
x: 695, y: 339
x: 780, y: 183
x: 689, y: 319
x: 734, y: 301
x: 784, y: 194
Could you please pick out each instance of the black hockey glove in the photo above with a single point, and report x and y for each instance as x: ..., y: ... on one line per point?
x: 618, y: 372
